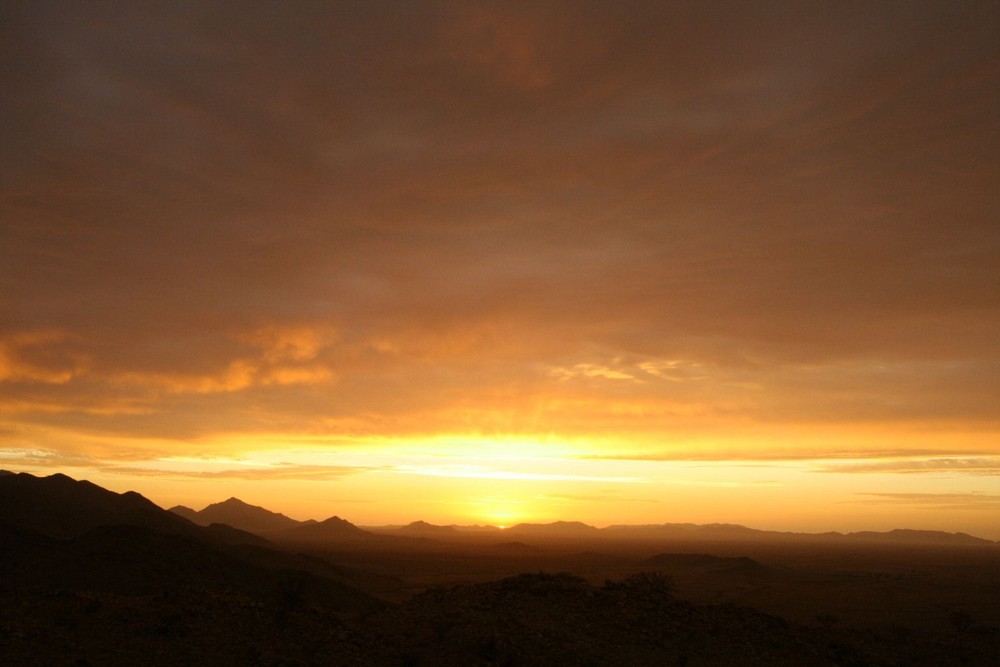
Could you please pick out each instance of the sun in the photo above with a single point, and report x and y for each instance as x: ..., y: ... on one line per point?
x: 499, y: 511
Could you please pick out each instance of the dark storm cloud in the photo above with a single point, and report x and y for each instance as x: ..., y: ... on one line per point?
x: 785, y: 211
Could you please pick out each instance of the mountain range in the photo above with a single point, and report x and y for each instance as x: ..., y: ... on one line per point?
x: 84, y: 567
x: 261, y: 521
x: 79, y: 535
x: 60, y: 507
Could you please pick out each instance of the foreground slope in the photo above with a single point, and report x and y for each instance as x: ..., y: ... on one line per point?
x: 560, y: 619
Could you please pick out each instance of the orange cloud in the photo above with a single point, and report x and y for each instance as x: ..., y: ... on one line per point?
x: 47, y: 356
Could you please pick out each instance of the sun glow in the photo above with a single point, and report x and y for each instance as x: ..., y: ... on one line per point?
x: 499, y: 510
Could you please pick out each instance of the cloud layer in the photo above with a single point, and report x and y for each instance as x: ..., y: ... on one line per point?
x: 623, y: 220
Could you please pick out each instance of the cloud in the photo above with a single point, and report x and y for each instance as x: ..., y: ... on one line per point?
x: 42, y: 356
x: 590, y: 371
x: 622, y: 219
x: 44, y: 458
x: 608, y: 497
x: 858, y: 460
x: 936, y: 501
x: 152, y: 464
x: 971, y: 465
x: 269, y: 473
x: 479, y: 472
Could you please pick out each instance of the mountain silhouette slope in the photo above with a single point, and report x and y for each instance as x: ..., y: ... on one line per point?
x: 424, y: 529
x: 734, y: 532
x: 555, y: 529
x: 910, y: 536
x: 331, y: 529
x: 59, y: 506
x: 66, y: 534
x: 238, y: 514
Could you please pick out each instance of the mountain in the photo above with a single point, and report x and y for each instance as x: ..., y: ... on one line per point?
x: 238, y: 514
x: 925, y: 537
x: 186, y: 512
x: 59, y: 533
x: 478, y: 528
x: 226, y: 534
x: 332, y: 529
x: 61, y: 507
x: 424, y: 529
x: 557, y: 529
x: 731, y: 532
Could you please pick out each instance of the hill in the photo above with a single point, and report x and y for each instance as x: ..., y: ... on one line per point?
x: 558, y: 619
x: 61, y: 507
x: 332, y: 529
x: 424, y: 529
x: 238, y: 514
x: 557, y: 529
x: 59, y: 533
x: 922, y: 537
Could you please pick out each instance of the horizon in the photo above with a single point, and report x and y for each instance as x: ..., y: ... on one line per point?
x: 506, y: 527
x: 619, y: 262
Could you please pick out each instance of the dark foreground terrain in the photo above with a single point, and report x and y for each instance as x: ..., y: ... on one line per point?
x: 91, y: 577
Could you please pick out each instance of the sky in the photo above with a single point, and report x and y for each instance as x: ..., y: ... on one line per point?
x: 618, y: 262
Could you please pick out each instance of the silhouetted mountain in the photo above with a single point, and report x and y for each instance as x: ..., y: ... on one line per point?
x: 555, y: 529
x: 186, y: 512
x: 903, y: 535
x: 59, y: 531
x: 424, y: 529
x: 682, y: 531
x: 238, y: 514
x: 331, y: 529
x: 219, y: 595
x: 61, y: 507
x: 135, y: 560
x: 734, y: 532
x: 478, y: 528
x: 226, y: 534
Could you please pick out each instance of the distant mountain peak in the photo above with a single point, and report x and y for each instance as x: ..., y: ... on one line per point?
x: 337, y: 522
x: 233, y: 501
x: 554, y: 528
x: 329, y: 529
x: 238, y: 514
x: 912, y: 535
x: 422, y: 528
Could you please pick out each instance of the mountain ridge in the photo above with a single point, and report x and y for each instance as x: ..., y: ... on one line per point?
x: 238, y: 514
x: 130, y: 506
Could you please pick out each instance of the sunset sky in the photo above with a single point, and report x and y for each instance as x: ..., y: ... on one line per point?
x: 618, y: 262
